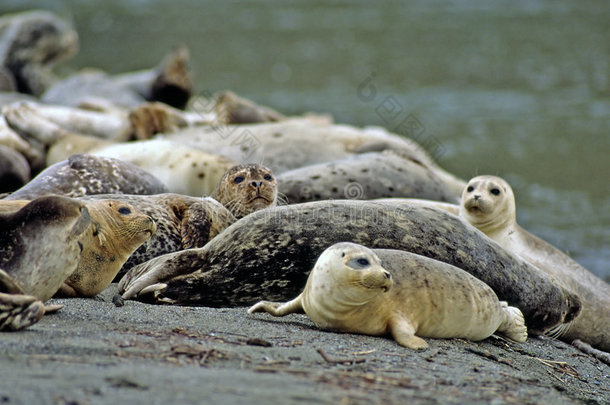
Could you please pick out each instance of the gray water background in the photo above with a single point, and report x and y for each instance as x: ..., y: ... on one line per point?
x: 519, y: 89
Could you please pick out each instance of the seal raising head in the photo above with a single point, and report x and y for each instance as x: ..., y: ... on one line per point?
x: 246, y: 188
x: 488, y: 203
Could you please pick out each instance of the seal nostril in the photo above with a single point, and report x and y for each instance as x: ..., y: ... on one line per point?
x: 388, y: 275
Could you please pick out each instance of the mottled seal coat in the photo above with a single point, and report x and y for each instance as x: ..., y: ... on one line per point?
x: 352, y: 289
x: 31, y: 44
x: 295, y: 143
x: 269, y: 253
x: 182, y: 222
x: 488, y: 203
x: 84, y: 174
x: 117, y: 229
x: 39, y: 244
x: 246, y: 188
x: 365, y: 176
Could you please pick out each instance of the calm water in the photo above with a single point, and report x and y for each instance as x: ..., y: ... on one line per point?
x: 520, y: 89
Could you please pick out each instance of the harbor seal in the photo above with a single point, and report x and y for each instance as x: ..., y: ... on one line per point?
x: 232, y: 109
x: 39, y: 245
x: 117, y: 229
x: 246, y: 188
x: 182, y: 222
x: 365, y: 176
x: 268, y: 254
x: 14, y: 170
x: 488, y: 203
x: 352, y: 289
x: 31, y: 44
x: 84, y: 174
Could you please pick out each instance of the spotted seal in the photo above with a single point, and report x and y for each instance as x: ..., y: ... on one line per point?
x: 488, y: 203
x: 268, y: 254
x: 352, y: 289
x: 39, y: 245
x: 246, y: 188
x: 365, y: 176
x: 182, y: 222
x: 84, y: 174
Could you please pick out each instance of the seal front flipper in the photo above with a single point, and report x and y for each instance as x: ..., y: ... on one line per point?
x: 195, y: 227
x: 294, y: 306
x: 19, y: 311
x: 404, y: 333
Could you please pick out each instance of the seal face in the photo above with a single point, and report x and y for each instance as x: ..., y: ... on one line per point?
x: 39, y: 245
x: 246, y: 188
x: 117, y: 229
x: 488, y: 203
x: 349, y: 290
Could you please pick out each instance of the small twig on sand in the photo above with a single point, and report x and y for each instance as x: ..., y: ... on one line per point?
x: 339, y: 361
x: 489, y: 356
x: 586, y: 348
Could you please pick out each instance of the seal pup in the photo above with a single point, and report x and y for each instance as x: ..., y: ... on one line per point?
x: 366, y: 176
x: 31, y: 44
x: 350, y: 289
x: 246, y: 188
x: 117, y: 229
x: 268, y: 254
x: 39, y: 245
x: 182, y: 222
x: 488, y: 203
x: 84, y: 174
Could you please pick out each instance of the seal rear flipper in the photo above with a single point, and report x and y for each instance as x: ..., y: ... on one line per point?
x: 404, y: 333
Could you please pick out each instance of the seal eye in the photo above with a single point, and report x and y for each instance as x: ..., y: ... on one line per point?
x: 268, y: 177
x: 495, y: 191
x: 124, y: 211
x: 238, y: 179
x: 470, y: 189
x: 359, y: 263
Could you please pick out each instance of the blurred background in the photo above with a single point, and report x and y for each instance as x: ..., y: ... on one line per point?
x: 519, y: 89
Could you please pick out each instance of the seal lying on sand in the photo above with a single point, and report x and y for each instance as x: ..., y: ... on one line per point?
x: 269, y: 253
x: 87, y: 174
x: 182, y: 222
x: 488, y: 203
x: 244, y: 189
x: 351, y: 290
x: 39, y: 245
x: 363, y: 177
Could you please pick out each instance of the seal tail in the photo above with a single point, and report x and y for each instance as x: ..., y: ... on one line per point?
x: 513, y: 324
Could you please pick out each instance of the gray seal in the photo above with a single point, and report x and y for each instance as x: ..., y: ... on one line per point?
x: 84, y: 174
x: 269, y: 253
x: 366, y: 176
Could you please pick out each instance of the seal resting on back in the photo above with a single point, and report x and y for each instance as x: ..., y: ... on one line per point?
x: 269, y: 253
x: 87, y: 174
x: 488, y: 203
x: 354, y: 289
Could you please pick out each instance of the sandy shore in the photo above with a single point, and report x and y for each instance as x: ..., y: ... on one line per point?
x: 92, y: 352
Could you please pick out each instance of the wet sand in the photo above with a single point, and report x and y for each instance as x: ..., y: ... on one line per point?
x: 92, y: 352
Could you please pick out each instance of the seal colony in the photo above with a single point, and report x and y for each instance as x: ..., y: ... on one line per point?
x: 352, y: 289
x: 245, y: 248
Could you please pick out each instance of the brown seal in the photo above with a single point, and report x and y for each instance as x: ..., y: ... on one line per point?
x: 488, y: 203
x: 352, y: 289
x: 244, y: 189
x: 117, y: 229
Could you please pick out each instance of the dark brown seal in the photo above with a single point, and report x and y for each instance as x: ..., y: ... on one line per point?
x: 269, y: 253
